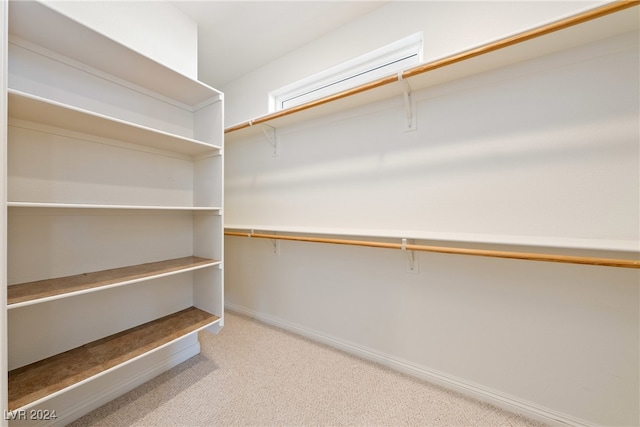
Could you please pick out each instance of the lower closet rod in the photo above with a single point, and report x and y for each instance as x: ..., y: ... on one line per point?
x: 606, y: 262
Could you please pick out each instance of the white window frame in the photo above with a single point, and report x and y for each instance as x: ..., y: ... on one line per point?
x: 382, y: 62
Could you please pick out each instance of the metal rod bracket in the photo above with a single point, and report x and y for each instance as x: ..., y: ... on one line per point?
x: 412, y: 260
x: 272, y: 137
x: 409, y: 105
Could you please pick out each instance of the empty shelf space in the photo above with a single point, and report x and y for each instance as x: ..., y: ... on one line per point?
x: 44, y: 290
x: 60, y: 34
x: 39, y: 380
x: 32, y: 108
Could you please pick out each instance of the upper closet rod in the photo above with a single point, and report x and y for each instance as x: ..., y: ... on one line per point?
x: 598, y: 12
x: 606, y: 262
x: 524, y: 36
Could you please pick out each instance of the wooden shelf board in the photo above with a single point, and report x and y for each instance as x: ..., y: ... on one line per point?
x: 96, y: 206
x: 45, y: 290
x: 39, y: 380
x: 450, y: 238
x: 32, y: 108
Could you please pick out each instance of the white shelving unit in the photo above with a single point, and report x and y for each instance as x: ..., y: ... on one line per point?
x: 114, y: 207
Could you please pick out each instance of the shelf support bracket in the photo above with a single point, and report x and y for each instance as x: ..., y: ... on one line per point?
x: 409, y: 105
x: 275, y: 246
x: 272, y: 137
x: 275, y: 250
x: 412, y: 261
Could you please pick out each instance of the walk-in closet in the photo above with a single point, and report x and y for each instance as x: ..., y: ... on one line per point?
x: 443, y: 191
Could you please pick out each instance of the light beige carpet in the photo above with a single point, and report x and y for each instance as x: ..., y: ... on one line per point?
x: 252, y: 374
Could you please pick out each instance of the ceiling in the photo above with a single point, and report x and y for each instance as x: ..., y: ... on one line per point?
x: 236, y: 37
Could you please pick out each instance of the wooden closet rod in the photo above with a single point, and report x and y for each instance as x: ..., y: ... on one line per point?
x: 589, y: 15
x: 606, y: 262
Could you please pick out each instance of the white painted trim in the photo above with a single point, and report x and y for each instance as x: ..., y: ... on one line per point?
x: 477, y: 391
x: 46, y: 205
x: 114, y: 285
x: 357, y: 71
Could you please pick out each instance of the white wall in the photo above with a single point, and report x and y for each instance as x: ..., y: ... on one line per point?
x: 448, y: 27
x: 543, y: 151
x: 154, y: 28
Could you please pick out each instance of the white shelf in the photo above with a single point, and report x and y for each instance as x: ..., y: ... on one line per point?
x: 123, y: 207
x: 36, y: 109
x: 608, y: 245
x: 79, y: 43
x: 24, y: 294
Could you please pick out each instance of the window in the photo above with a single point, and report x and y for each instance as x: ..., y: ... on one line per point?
x: 390, y: 59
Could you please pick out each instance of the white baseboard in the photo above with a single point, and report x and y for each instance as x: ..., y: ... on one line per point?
x: 79, y: 401
x: 477, y: 391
